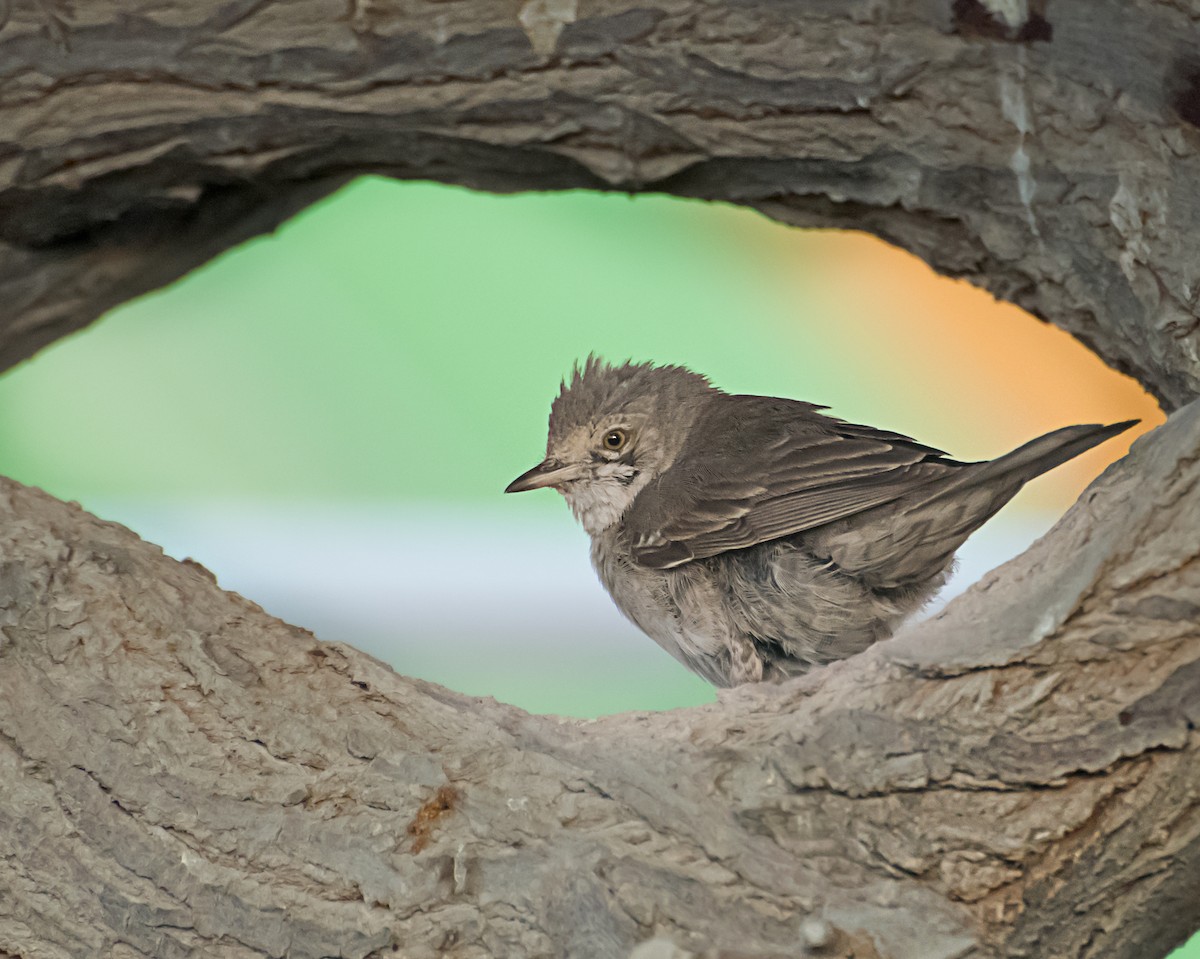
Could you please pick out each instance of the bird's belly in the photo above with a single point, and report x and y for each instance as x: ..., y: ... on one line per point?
x: 804, y: 611
x: 679, y: 610
x: 765, y: 612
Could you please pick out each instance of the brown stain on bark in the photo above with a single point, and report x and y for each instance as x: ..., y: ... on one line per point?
x: 434, y: 809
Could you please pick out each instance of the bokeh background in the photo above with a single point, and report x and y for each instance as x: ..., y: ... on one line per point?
x: 326, y: 417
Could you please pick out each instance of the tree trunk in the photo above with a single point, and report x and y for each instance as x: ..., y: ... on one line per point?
x: 181, y: 774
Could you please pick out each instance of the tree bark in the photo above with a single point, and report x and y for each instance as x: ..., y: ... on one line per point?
x: 1047, y: 154
x: 1019, y: 776
x: 184, y: 775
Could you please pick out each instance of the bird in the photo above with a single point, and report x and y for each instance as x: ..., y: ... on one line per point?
x: 756, y: 538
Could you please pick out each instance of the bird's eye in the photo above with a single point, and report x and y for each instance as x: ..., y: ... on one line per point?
x: 614, y: 440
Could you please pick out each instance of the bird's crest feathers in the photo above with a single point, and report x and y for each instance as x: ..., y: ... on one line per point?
x: 598, y: 388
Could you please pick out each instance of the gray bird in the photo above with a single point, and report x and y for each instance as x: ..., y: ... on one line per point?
x: 753, y: 537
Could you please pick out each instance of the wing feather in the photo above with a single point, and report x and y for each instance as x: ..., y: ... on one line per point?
x: 762, y: 468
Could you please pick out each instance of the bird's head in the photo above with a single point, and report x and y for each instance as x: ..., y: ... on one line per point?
x: 613, y: 429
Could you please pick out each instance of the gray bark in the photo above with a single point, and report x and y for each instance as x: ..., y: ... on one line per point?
x: 182, y: 774
x: 1052, y: 160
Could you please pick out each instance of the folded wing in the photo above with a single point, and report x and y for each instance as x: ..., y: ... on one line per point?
x: 760, y: 468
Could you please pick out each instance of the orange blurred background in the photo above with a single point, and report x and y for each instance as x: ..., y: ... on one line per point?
x: 326, y: 417
x: 989, y: 374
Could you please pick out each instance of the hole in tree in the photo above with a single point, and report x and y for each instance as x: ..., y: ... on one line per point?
x: 1183, y: 84
x: 972, y: 18
x: 326, y: 418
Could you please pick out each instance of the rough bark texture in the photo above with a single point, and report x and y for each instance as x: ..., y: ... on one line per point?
x: 180, y: 774
x: 1046, y: 151
x: 183, y: 774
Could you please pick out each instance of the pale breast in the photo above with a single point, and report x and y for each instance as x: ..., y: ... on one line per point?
x: 678, y: 609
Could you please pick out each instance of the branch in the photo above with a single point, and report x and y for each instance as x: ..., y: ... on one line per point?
x: 1018, y: 777
x: 1051, y: 159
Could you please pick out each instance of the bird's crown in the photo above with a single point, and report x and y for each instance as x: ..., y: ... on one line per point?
x: 597, y: 388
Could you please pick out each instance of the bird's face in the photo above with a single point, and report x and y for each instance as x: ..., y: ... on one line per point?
x: 599, y: 467
x: 613, y: 429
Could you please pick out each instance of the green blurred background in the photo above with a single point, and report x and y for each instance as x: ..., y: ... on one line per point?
x: 326, y: 417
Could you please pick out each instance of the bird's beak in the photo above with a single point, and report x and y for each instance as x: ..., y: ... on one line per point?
x: 546, y: 473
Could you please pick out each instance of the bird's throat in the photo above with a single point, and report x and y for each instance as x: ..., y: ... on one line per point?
x: 599, y: 503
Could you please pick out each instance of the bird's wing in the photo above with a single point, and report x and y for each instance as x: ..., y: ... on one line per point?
x: 758, y: 468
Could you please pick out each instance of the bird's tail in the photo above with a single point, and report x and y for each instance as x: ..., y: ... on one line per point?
x: 1034, y: 458
x: 909, y: 540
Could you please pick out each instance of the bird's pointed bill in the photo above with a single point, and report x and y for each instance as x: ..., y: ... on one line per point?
x: 546, y: 473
